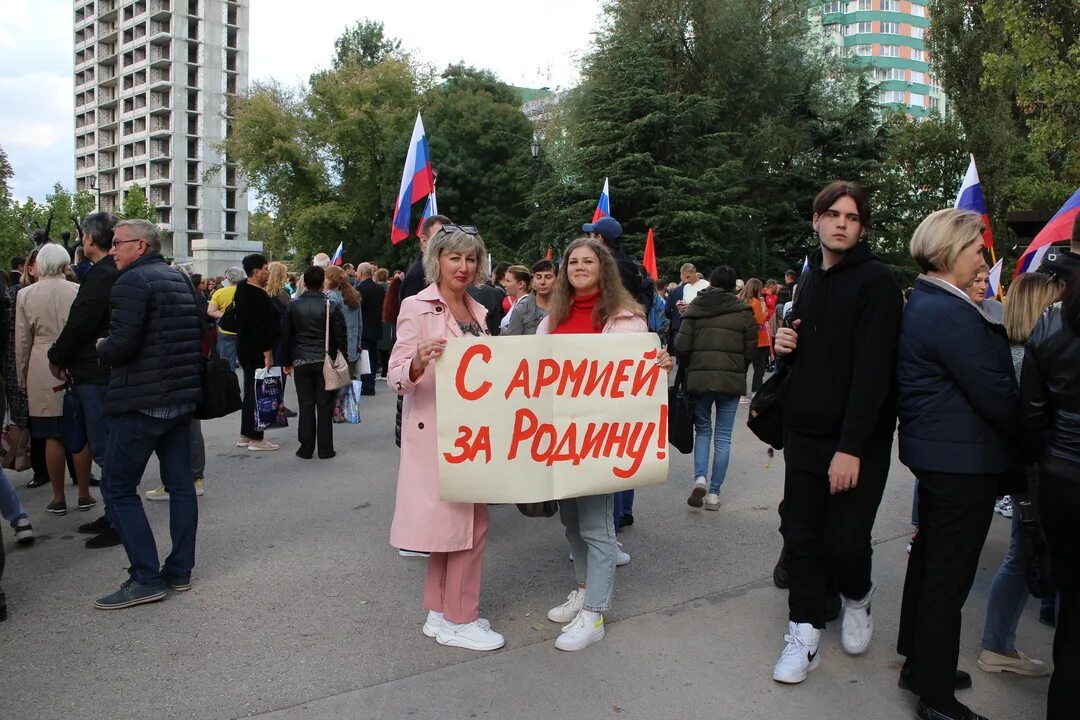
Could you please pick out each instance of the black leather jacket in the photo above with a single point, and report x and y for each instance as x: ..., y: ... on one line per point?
x: 1050, y: 388
x: 304, y: 329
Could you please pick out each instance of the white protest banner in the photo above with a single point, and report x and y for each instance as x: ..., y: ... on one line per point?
x: 534, y: 418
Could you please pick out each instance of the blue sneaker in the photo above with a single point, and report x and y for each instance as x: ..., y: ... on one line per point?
x: 130, y: 593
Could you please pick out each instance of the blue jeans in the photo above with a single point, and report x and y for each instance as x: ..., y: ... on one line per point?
x: 1008, y: 595
x: 590, y: 531
x: 11, y: 508
x: 623, y: 505
x: 726, y: 407
x: 133, y: 438
x: 92, y: 399
x: 227, y: 348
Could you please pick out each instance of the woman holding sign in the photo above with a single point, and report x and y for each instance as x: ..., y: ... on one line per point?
x: 454, y: 533
x: 589, y: 297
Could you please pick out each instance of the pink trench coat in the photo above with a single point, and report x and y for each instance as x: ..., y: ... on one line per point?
x: 421, y: 520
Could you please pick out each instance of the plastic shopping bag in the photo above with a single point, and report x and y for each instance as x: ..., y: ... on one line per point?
x: 347, y: 404
x: 268, y: 391
x: 363, y: 364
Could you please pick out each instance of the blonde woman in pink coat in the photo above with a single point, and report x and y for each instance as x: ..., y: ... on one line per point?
x: 453, y: 533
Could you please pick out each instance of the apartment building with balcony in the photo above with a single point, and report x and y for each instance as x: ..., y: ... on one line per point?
x: 888, y: 37
x: 152, y: 83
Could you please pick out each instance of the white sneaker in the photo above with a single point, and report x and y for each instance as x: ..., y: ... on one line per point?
x: 858, y: 624
x: 701, y: 487
x: 587, y: 628
x: 568, y: 610
x: 413, y: 553
x: 436, y: 620
x: 476, y: 635
x: 712, y: 501
x: 158, y: 493
x: 199, y: 489
x: 800, y: 656
x: 621, y: 558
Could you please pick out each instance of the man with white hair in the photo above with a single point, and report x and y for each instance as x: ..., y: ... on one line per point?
x: 321, y: 260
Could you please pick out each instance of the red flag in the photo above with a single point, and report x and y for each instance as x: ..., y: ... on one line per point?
x: 649, y: 260
x: 548, y: 256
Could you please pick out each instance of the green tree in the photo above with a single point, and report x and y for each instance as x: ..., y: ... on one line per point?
x: 136, y: 206
x: 263, y: 228
x: 1040, y: 62
x: 365, y: 43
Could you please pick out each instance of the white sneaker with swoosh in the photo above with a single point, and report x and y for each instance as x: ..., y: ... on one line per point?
x: 800, y: 655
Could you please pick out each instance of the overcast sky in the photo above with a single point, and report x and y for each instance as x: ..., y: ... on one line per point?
x: 524, y: 42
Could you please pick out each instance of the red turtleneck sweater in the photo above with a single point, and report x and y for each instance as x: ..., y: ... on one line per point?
x: 580, y: 319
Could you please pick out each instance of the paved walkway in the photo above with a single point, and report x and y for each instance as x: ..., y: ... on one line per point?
x: 300, y: 609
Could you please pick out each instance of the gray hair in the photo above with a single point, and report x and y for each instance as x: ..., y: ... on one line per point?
x: 456, y: 241
x: 99, y: 226
x: 51, y: 260
x: 143, y: 230
x: 235, y: 275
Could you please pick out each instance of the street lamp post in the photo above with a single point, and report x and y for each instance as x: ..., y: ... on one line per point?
x: 535, y: 149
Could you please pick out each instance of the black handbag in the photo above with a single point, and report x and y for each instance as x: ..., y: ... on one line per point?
x: 766, y: 419
x: 539, y: 509
x: 73, y: 424
x: 221, y: 390
x: 680, y: 414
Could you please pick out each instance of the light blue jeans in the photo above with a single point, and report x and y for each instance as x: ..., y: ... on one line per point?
x: 1008, y: 595
x: 227, y: 349
x: 720, y: 432
x: 11, y: 508
x: 590, y: 530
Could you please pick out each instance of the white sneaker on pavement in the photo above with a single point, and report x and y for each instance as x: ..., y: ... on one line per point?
x: 568, y: 610
x: 436, y: 620
x: 476, y: 635
x: 701, y: 487
x: 712, y: 501
x: 858, y: 624
x: 621, y: 558
x: 800, y: 656
x: 587, y: 628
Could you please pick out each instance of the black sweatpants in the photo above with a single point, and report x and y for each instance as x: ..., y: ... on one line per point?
x: 827, y: 537
x: 316, y: 410
x: 1059, y: 504
x: 247, y: 412
x: 954, y: 516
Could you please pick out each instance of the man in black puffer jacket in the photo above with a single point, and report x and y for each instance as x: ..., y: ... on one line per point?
x: 154, y: 349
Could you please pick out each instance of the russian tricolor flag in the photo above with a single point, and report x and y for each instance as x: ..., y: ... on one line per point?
x: 993, y: 284
x: 430, y: 208
x: 338, y: 258
x: 971, y: 198
x: 417, y: 182
x: 1057, y: 230
x: 603, y: 205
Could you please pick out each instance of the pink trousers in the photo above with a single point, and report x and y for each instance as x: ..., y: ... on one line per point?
x: 452, y: 586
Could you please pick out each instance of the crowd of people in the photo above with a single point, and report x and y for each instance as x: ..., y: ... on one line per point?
x: 105, y: 363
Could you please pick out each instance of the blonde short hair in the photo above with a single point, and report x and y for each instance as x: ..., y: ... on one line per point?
x: 942, y: 236
x: 453, y: 242
x: 1029, y: 295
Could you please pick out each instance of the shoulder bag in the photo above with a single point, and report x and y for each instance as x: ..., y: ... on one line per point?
x: 680, y: 413
x: 766, y: 418
x: 335, y: 371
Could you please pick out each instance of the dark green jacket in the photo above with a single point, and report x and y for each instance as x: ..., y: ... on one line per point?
x: 718, y: 337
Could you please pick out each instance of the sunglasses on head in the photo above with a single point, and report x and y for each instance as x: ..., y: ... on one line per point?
x: 467, y: 229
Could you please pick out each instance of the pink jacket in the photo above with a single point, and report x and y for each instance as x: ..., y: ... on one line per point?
x: 421, y: 520
x: 623, y: 321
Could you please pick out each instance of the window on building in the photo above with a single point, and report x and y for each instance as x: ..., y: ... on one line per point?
x: 891, y: 96
x: 918, y: 77
x: 918, y: 55
x: 835, y: 7
x: 935, y: 103
x: 917, y: 100
x: 918, y: 32
x: 863, y: 50
x: 864, y: 5
x: 890, y: 51
x: 890, y: 5
x: 890, y: 28
x: 918, y: 10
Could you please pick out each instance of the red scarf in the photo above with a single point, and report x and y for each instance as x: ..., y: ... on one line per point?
x: 580, y: 319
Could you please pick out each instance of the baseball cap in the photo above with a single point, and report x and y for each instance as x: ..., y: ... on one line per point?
x: 606, y: 227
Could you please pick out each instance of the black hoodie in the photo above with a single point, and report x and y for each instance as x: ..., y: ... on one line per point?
x: 842, y: 371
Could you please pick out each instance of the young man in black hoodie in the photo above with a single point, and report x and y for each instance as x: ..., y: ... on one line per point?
x: 839, y: 412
